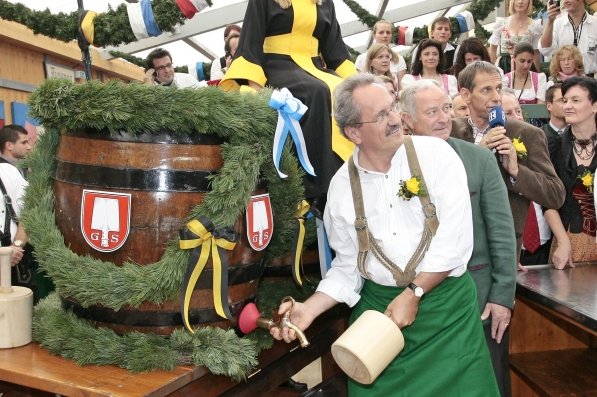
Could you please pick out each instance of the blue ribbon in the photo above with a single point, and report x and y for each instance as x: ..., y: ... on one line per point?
x: 200, y: 72
x: 461, y: 23
x: 150, y: 24
x: 290, y: 110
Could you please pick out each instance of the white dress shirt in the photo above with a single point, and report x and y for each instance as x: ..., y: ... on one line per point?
x: 185, y: 80
x: 397, y: 224
x: 15, y: 186
x: 587, y: 43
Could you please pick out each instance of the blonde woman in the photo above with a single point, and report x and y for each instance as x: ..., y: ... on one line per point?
x: 514, y: 29
x: 379, y: 58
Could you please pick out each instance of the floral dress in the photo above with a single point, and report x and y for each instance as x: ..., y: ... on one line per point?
x: 506, y: 40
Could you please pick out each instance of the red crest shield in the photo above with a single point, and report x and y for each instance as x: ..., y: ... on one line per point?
x: 105, y: 219
x: 260, y: 222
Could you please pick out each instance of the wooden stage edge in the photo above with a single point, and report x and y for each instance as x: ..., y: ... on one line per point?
x: 33, y: 371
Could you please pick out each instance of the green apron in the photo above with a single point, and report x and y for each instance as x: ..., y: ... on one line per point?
x: 445, y: 353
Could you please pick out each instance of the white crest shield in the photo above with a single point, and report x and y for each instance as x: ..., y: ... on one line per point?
x: 105, y: 219
x: 260, y: 222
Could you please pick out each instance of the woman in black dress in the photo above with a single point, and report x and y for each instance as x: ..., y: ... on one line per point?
x: 574, y: 159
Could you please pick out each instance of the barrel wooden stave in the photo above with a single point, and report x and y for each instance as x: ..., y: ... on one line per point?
x: 125, y: 164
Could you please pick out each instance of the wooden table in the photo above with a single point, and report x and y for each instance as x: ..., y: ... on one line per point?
x: 33, y: 371
x: 553, y: 341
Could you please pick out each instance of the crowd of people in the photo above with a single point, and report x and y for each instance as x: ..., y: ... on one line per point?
x: 507, y: 190
x: 499, y: 186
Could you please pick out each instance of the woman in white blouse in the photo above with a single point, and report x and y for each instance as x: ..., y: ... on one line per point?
x: 426, y: 65
x: 379, y: 58
x: 529, y: 86
x: 514, y: 29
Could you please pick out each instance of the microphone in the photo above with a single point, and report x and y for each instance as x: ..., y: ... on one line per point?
x: 497, y: 117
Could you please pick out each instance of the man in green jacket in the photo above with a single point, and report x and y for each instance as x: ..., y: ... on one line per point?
x: 426, y: 111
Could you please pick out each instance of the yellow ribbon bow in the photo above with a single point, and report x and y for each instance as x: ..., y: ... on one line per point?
x: 204, y: 239
x: 299, y: 239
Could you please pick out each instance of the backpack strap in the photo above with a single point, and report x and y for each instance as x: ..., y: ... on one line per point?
x: 9, y: 214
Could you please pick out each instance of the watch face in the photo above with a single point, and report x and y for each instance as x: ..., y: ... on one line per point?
x: 419, y: 292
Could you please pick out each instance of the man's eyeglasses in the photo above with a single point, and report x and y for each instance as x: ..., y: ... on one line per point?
x: 163, y: 67
x: 381, y: 117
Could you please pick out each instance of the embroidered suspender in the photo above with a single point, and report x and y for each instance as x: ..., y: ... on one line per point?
x: 367, y: 241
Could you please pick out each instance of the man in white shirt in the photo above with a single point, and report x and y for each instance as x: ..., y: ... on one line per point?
x: 14, y: 145
x: 440, y: 300
x: 160, y: 71
x: 574, y: 27
x: 15, y: 236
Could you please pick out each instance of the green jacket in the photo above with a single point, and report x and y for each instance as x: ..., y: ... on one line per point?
x: 493, y: 262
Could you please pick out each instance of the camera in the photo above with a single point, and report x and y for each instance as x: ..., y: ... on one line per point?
x: 555, y: 2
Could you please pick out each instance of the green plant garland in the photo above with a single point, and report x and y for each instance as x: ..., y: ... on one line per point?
x: 245, y: 121
x: 113, y: 28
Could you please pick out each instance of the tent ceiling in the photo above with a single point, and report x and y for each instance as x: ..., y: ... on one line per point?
x: 201, y: 38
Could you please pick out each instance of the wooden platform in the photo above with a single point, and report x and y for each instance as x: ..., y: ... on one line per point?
x: 553, y: 341
x: 33, y: 371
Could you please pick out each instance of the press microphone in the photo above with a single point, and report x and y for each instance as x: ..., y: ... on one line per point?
x: 497, y: 117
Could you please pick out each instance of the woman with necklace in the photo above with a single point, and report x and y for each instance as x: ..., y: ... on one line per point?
x: 426, y: 65
x: 514, y: 29
x: 574, y: 159
x: 529, y: 86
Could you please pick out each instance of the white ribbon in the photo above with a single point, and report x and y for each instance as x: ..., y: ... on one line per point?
x: 199, y: 4
x: 136, y: 20
x: 290, y: 111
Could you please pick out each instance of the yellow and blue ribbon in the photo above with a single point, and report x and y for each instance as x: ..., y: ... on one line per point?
x: 303, y: 212
x: 290, y: 110
x: 205, y: 240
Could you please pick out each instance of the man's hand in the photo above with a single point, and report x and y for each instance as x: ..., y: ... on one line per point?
x: 403, y: 309
x: 552, y: 12
x: 302, y: 314
x: 494, y: 137
x: 17, y: 255
x: 509, y: 157
x: 149, y: 76
x: 562, y: 255
x: 500, y: 319
x: 497, y: 141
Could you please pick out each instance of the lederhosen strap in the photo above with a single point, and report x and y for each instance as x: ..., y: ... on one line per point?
x: 367, y: 241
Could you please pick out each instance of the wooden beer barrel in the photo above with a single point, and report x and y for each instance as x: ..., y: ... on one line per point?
x: 166, y: 175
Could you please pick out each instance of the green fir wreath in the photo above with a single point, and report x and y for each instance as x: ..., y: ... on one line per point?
x: 246, y: 123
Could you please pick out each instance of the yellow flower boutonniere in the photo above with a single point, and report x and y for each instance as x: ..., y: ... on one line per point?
x: 521, y: 149
x: 587, y: 180
x: 411, y: 187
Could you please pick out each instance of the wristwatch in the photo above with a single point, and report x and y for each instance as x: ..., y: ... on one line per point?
x: 18, y: 243
x: 417, y: 290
